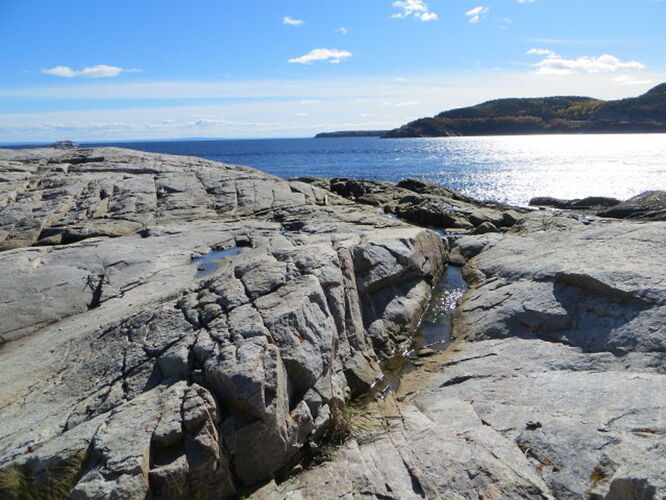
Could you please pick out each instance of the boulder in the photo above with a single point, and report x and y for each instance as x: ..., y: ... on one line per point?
x: 650, y: 205
x: 590, y: 202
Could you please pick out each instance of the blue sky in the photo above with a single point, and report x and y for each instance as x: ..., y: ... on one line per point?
x: 149, y: 69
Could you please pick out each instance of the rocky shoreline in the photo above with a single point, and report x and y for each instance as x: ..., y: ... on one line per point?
x: 177, y: 328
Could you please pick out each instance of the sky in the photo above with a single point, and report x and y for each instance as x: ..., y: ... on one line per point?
x: 161, y: 69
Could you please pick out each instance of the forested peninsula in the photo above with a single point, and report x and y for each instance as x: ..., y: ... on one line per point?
x: 547, y: 115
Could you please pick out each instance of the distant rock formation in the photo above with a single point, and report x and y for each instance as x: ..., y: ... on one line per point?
x: 548, y: 115
x: 65, y: 145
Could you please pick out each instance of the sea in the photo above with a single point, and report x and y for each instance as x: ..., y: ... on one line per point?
x: 511, y: 169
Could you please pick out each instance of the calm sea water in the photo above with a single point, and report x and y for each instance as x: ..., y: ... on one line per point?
x: 512, y: 169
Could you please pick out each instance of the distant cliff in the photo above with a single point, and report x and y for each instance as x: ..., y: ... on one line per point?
x: 558, y: 115
x: 352, y: 133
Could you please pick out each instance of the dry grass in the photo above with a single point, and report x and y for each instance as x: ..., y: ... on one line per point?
x: 17, y: 483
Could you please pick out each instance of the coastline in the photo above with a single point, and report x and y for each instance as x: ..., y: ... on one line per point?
x: 261, y: 354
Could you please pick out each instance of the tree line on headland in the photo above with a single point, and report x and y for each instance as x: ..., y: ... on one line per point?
x: 555, y: 115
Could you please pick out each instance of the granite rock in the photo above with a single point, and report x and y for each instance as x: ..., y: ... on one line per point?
x: 552, y: 390
x: 185, y: 324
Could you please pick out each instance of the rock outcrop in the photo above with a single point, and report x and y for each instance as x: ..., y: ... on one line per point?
x: 179, y: 327
x: 423, y: 203
x: 555, y: 388
x: 650, y: 205
x: 590, y: 202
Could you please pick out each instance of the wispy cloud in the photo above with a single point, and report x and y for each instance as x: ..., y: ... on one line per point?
x: 579, y: 41
x: 98, y: 71
x: 407, y: 103
x: 290, y: 21
x: 526, y: 1
x: 332, y: 55
x: 476, y: 13
x: 630, y: 80
x: 541, y: 52
x: 417, y: 8
x: 555, y: 64
x: 342, y: 30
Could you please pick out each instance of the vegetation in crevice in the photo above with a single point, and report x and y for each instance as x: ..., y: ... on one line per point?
x: 18, y: 483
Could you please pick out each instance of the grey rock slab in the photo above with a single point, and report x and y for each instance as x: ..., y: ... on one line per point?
x: 598, y: 286
x: 569, y: 411
x: 114, y: 192
x: 565, y: 350
x: 448, y: 454
x: 172, y: 378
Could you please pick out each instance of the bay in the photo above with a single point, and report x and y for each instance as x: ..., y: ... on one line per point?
x: 512, y: 169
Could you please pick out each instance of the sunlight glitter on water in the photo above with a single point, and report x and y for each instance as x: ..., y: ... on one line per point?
x: 515, y: 169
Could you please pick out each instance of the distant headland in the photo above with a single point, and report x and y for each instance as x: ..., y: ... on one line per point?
x: 545, y: 115
x: 352, y: 133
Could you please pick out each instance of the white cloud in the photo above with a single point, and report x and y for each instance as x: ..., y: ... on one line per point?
x: 407, y: 103
x: 98, y: 71
x: 476, y: 13
x: 555, y: 64
x: 335, y: 56
x: 416, y: 8
x: 541, y: 52
x: 62, y: 71
x: 526, y: 1
x: 342, y: 30
x: 208, y: 122
x: 292, y: 22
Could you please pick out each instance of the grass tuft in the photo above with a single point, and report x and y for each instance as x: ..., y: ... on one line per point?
x: 17, y: 482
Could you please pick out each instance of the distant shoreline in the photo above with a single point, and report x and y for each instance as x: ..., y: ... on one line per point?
x: 661, y: 129
x: 351, y: 133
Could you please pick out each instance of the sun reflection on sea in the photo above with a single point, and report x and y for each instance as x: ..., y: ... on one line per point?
x: 517, y: 168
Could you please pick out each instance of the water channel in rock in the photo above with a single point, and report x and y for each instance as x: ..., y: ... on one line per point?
x: 433, y: 332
